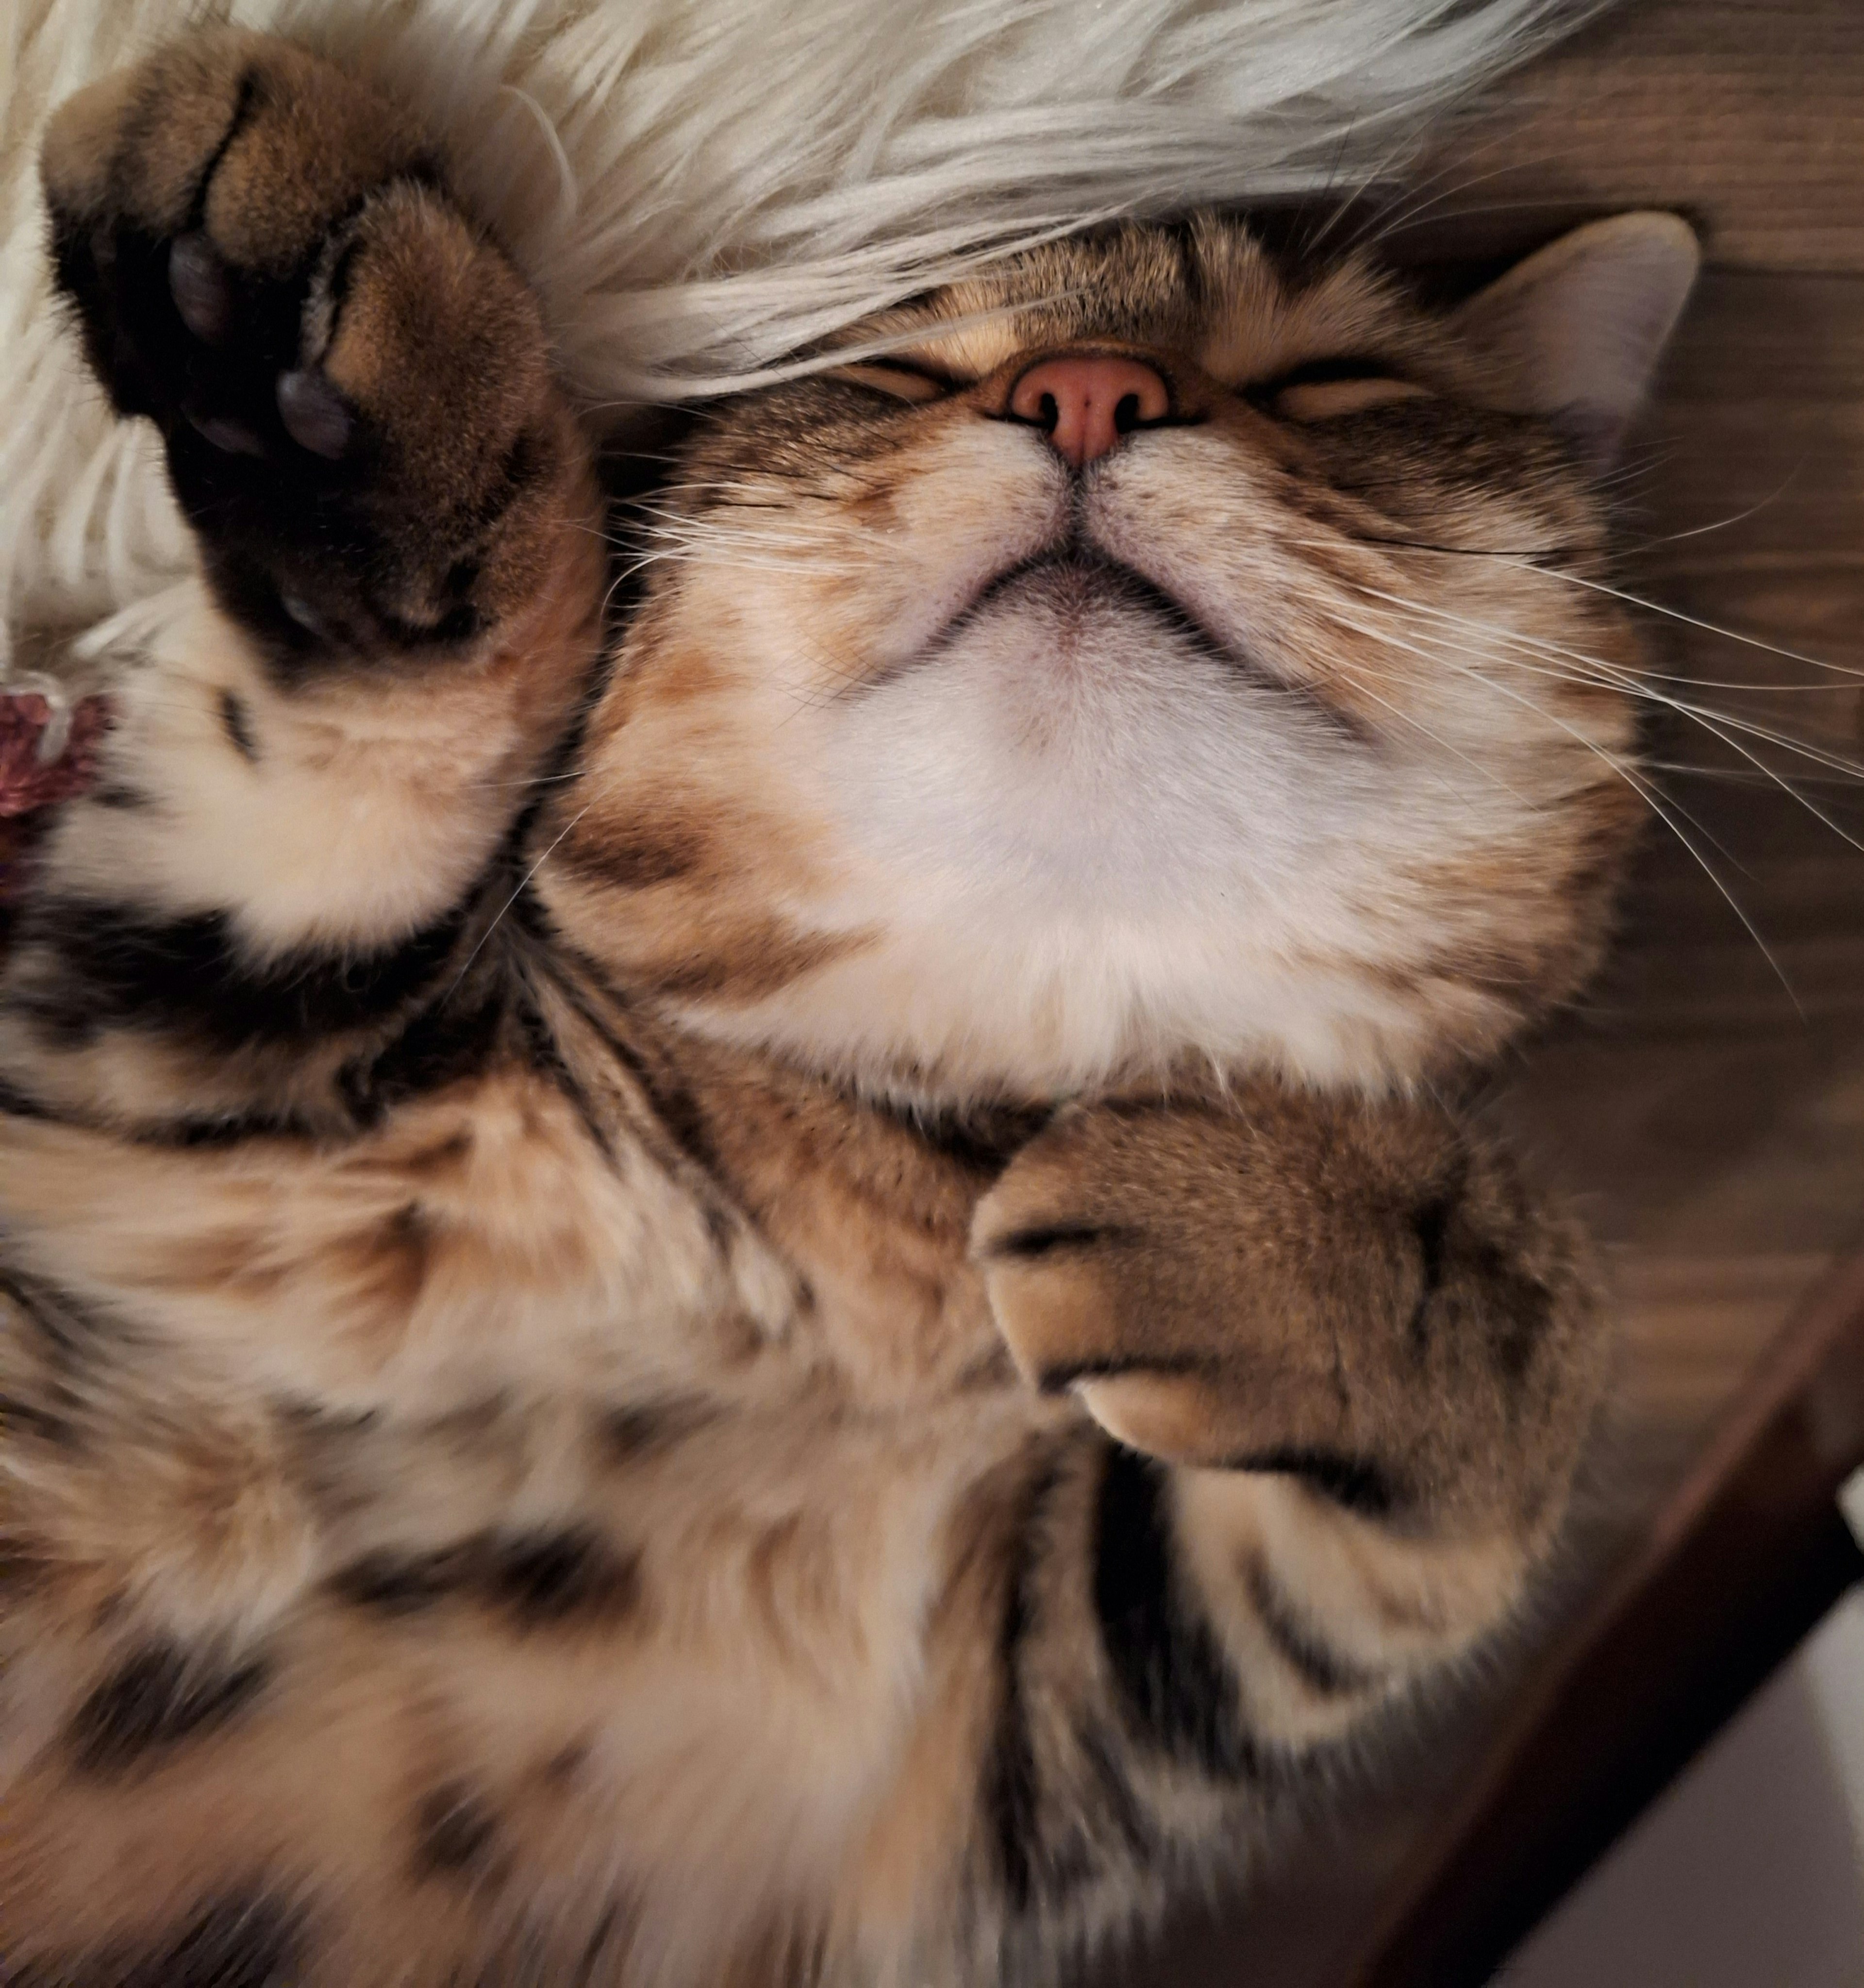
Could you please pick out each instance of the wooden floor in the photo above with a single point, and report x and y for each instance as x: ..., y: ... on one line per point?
x: 1708, y: 1107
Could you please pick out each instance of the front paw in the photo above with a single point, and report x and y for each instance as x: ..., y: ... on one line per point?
x: 1360, y: 1294
x: 353, y: 384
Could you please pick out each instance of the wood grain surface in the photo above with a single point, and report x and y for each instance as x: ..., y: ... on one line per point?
x: 1706, y: 1108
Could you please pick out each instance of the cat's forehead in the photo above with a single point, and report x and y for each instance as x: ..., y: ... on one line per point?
x: 1205, y: 288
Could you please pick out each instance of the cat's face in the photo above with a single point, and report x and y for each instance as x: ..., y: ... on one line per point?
x: 970, y: 741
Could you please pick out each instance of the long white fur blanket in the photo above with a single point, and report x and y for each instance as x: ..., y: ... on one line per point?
x: 701, y: 187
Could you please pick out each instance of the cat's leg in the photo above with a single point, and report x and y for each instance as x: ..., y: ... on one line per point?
x: 322, y: 754
x: 275, y: 1071
x: 1383, y: 1357
x: 1349, y: 1365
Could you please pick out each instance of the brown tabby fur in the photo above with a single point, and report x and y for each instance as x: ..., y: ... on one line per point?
x: 565, y: 1317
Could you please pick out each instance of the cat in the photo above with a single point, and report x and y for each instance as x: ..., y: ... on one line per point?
x: 746, y: 1270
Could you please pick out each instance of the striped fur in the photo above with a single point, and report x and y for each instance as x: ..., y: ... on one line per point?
x: 564, y: 1416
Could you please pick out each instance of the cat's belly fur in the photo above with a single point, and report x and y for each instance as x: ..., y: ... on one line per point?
x: 465, y: 1523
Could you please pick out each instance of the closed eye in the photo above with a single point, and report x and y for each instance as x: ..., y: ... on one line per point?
x: 1321, y: 389
x: 896, y: 378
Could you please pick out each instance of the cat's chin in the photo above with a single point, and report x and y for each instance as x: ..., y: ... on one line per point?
x: 1085, y: 848
x: 1069, y: 597
x: 908, y: 1020
x: 1072, y: 610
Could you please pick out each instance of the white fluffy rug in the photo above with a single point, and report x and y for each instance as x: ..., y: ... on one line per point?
x: 699, y: 187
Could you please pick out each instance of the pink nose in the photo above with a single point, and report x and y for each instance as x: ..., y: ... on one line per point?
x: 1087, y: 403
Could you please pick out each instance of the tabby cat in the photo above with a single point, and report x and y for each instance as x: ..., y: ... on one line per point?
x: 741, y: 1268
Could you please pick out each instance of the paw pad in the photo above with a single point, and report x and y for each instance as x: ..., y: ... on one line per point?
x: 202, y: 289
x: 316, y: 415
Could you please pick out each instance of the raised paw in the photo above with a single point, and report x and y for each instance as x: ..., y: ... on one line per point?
x: 1363, y: 1294
x: 353, y: 384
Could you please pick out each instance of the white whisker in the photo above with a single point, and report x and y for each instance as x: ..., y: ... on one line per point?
x: 1691, y: 620
x: 1664, y: 808
x: 522, y: 885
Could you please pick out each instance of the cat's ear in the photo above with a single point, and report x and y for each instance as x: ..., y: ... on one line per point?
x: 1574, y: 332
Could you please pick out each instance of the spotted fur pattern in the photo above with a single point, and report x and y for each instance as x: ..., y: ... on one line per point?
x: 679, y: 1310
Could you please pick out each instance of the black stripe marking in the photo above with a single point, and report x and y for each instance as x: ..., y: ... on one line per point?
x: 1010, y: 1791
x: 547, y: 1059
x: 390, y: 1583
x: 606, y: 1947
x: 574, y: 1576
x: 249, y: 97
x: 1351, y: 366
x: 238, y: 1942
x: 454, y: 1829
x: 1045, y: 1240
x: 237, y: 725
x: 983, y: 1141
x: 443, y: 1042
x: 22, y: 1417
x: 252, y: 1943
x: 642, y: 1429
x: 1430, y: 1224
x: 678, y: 1110
x: 119, y: 796
x: 157, y: 1698
x: 567, y: 1578
x: 342, y: 273
x: 23, y: 1566
x: 227, y: 1128
x: 1518, y: 1310
x: 220, y: 1128
x: 675, y: 1109
x: 113, y: 966
x: 18, y: 1104
x: 66, y: 1328
x: 1049, y: 1844
x: 1324, y: 1670
x: 1177, y: 1685
x: 1363, y: 1487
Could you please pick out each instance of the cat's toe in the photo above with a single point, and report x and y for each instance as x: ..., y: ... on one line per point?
x: 1362, y: 1293
x: 353, y: 383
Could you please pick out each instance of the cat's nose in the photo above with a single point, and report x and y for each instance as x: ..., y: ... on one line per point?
x: 1087, y: 403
